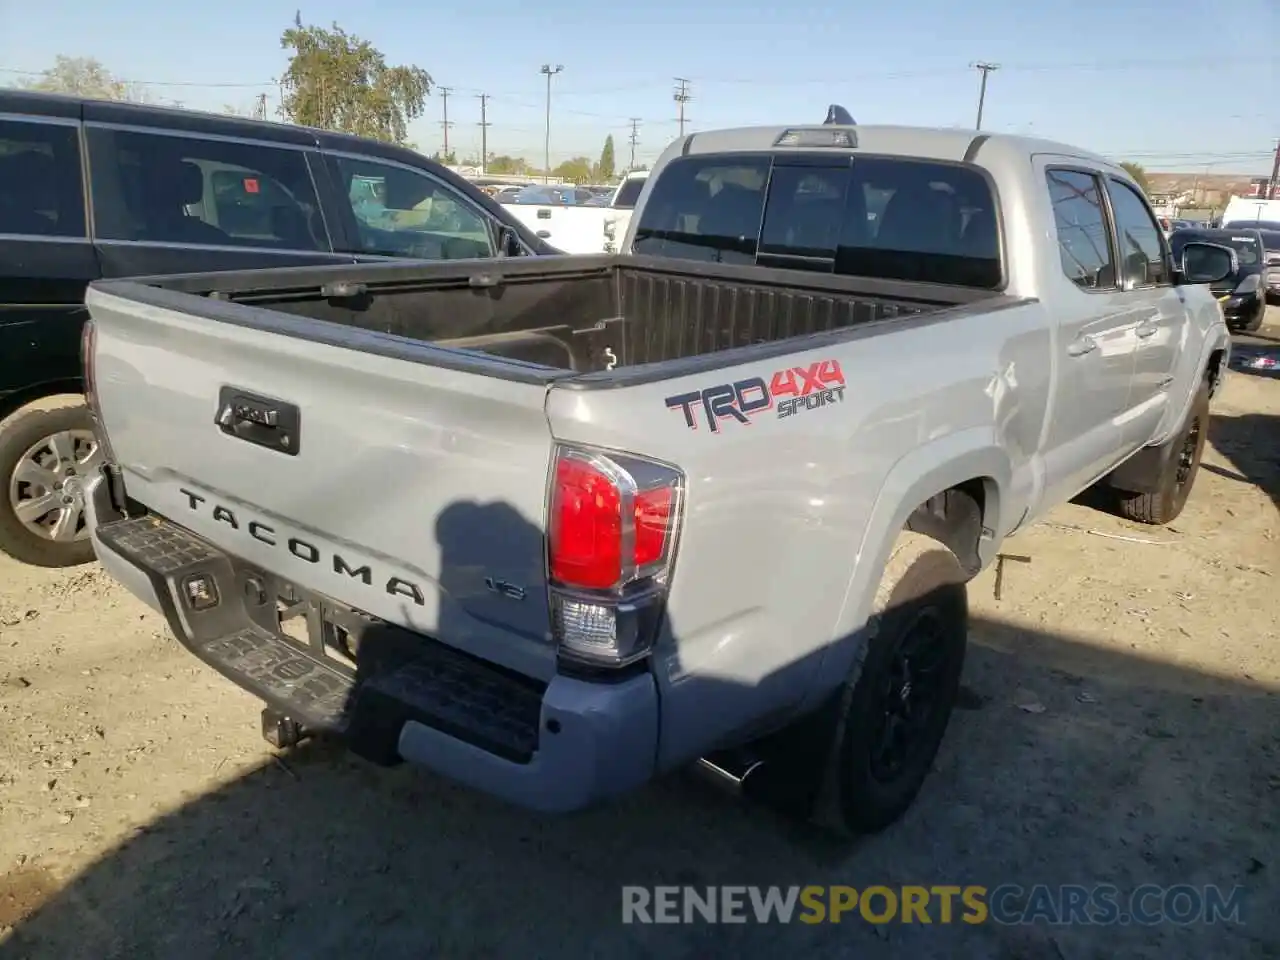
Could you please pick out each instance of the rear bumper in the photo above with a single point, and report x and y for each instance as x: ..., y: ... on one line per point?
x: 554, y: 747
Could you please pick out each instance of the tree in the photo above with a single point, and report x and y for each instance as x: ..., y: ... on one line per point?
x: 577, y: 170
x: 507, y: 166
x: 1139, y: 175
x: 83, y: 77
x: 605, y: 168
x: 450, y: 158
x: 339, y: 82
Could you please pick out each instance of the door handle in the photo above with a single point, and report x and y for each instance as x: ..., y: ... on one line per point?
x: 1082, y: 345
x: 544, y: 234
x: 1147, y: 328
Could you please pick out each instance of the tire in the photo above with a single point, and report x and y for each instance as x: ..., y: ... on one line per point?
x: 923, y: 586
x: 1254, y: 325
x: 1179, y: 476
x: 25, y: 447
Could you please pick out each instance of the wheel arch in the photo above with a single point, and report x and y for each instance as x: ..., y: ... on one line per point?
x: 952, y: 490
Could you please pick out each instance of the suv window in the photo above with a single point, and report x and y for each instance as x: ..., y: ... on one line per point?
x: 405, y: 213
x: 629, y: 193
x: 1141, y: 239
x: 1084, y: 243
x: 176, y: 189
x: 892, y: 218
x: 40, y: 191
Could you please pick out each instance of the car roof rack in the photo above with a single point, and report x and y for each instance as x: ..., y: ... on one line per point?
x: 837, y: 114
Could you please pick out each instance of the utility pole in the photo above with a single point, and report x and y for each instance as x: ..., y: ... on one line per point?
x: 548, y: 71
x: 1275, y: 175
x: 484, y: 130
x: 986, y: 68
x: 260, y: 108
x: 681, y: 97
x: 635, y: 139
x: 444, y: 103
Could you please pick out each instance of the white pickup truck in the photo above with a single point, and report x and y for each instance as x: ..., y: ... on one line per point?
x: 583, y: 229
x: 554, y: 526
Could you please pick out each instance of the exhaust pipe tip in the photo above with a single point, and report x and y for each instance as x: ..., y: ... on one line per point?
x: 729, y: 774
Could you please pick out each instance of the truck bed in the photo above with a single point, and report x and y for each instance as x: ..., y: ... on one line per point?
x: 553, y: 316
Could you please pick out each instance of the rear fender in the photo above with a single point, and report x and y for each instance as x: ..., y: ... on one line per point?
x: 921, y: 474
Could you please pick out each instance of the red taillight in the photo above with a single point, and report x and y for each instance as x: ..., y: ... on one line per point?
x: 611, y: 542
x: 653, y: 525
x: 586, y: 526
x: 598, y: 510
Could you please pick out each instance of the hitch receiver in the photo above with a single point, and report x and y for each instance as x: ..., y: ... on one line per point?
x: 281, y: 731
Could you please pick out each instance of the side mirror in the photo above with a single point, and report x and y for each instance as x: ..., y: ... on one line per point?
x: 1207, y: 262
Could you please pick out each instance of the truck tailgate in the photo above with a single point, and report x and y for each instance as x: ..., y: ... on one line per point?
x: 406, y: 490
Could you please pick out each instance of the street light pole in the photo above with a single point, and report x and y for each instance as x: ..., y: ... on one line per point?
x: 550, y: 72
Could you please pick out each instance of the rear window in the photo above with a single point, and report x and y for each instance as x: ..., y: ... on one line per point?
x: 629, y: 193
x: 892, y: 218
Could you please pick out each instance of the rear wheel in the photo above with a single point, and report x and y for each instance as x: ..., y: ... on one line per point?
x: 1173, y: 486
x: 895, y: 707
x: 46, y: 457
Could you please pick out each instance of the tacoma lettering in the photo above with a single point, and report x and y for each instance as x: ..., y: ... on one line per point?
x: 302, y: 549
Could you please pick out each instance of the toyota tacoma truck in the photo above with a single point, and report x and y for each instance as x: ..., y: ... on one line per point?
x: 554, y: 527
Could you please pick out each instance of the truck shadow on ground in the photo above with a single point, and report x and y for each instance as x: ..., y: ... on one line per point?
x: 1250, y: 442
x: 1124, y: 771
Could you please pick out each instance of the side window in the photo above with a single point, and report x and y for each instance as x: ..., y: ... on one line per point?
x: 176, y: 189
x: 1084, y: 244
x: 1141, y: 239
x: 404, y: 213
x: 40, y: 187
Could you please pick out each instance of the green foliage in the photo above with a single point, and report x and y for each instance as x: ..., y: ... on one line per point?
x: 83, y: 77
x: 577, y: 170
x: 605, y: 168
x: 337, y: 81
x: 1139, y: 175
x: 503, y: 165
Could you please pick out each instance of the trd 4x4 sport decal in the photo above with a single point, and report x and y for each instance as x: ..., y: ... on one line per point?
x: 790, y: 392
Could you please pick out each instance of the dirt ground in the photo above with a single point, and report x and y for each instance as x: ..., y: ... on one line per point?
x: 1121, y: 725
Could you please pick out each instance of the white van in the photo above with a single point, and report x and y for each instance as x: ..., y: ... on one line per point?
x: 1242, y: 211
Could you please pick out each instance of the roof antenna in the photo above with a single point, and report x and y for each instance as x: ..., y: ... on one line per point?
x: 837, y: 114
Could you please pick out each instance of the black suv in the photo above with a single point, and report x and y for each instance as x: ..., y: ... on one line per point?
x: 92, y: 189
x: 1243, y: 294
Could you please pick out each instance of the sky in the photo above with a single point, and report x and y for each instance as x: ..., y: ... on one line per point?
x: 1165, y: 84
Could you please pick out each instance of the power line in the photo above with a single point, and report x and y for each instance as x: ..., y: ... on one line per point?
x: 681, y: 97
x: 986, y: 68
x: 634, y: 140
x: 1110, y: 65
x: 484, y: 130
x: 444, y: 103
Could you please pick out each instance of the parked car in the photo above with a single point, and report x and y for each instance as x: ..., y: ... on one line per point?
x: 557, y: 526
x: 623, y: 202
x: 1269, y: 231
x: 1243, y: 292
x: 92, y: 189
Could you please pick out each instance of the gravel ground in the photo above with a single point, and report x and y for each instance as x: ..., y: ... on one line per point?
x: 1120, y: 726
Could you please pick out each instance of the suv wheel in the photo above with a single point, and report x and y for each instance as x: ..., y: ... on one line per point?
x: 46, y: 457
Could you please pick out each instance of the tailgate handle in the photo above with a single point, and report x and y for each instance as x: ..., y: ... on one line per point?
x: 262, y: 421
